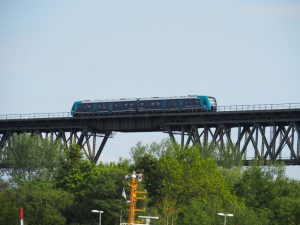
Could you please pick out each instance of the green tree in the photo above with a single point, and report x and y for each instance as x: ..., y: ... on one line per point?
x: 273, y: 198
x: 256, y: 187
x: 32, y: 163
x: 146, y: 160
x: 42, y: 203
x: 93, y: 187
x: 30, y: 156
x: 285, y: 206
x: 183, y: 183
x: 228, y: 157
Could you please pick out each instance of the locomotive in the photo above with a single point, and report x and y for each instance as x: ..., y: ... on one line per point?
x: 191, y: 103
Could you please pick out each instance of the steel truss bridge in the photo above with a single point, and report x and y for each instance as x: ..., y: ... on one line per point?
x: 259, y: 132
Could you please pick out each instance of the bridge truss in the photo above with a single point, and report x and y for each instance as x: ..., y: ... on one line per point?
x: 254, y: 142
x: 264, y: 134
x: 91, y: 143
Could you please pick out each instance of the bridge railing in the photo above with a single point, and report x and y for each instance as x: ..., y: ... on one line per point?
x: 34, y: 115
x: 258, y: 107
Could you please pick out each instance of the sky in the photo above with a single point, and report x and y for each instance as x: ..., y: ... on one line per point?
x: 53, y: 53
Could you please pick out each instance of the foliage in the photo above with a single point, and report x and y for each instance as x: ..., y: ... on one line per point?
x: 42, y: 203
x: 185, y: 186
x: 178, y: 178
x: 267, y: 192
x: 146, y: 160
x: 228, y: 157
x: 30, y: 157
x: 256, y: 188
x: 93, y: 187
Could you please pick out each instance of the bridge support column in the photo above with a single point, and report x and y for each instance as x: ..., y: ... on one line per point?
x: 88, y: 142
x: 298, y: 148
x: 101, y: 147
x: 298, y: 141
x: 205, y: 138
x: 262, y: 150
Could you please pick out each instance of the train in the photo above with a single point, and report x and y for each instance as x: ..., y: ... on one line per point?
x: 190, y: 103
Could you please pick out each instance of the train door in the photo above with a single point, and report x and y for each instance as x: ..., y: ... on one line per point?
x: 204, y: 103
x: 110, y: 107
x: 181, y: 104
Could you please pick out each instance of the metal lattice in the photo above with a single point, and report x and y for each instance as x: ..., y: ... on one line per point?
x: 257, y: 141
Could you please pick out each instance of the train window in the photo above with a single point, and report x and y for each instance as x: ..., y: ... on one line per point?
x: 84, y: 107
x: 158, y: 103
x: 142, y: 104
x: 152, y: 103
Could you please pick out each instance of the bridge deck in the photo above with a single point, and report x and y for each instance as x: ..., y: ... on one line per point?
x: 151, y: 121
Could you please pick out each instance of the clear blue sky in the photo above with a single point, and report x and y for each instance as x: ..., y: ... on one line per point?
x: 55, y: 52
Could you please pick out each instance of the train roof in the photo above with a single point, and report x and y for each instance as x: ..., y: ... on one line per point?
x: 143, y: 99
x: 164, y: 98
x: 110, y: 100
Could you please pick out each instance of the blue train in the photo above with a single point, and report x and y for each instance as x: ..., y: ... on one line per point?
x: 191, y: 103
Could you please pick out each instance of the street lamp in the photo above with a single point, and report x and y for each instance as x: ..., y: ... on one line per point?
x: 225, y: 215
x: 98, y: 211
x: 148, y: 218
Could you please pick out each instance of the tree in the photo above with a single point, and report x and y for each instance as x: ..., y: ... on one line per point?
x: 93, y: 187
x: 256, y: 187
x: 32, y: 163
x: 30, y: 156
x: 228, y: 157
x: 286, y: 206
x: 182, y: 181
x: 270, y: 195
x: 42, y: 203
x: 146, y: 161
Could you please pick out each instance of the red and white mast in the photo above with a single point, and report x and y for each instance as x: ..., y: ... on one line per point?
x: 21, y: 216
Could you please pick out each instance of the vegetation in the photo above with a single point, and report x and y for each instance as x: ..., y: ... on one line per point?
x: 55, y: 185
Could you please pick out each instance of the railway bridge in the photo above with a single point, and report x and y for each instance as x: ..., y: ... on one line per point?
x: 265, y: 132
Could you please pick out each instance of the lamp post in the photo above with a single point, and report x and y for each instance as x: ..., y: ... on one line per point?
x: 98, y: 211
x: 225, y: 215
x: 148, y: 218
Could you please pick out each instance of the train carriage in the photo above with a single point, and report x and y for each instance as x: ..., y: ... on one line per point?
x: 189, y: 103
x: 87, y: 107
